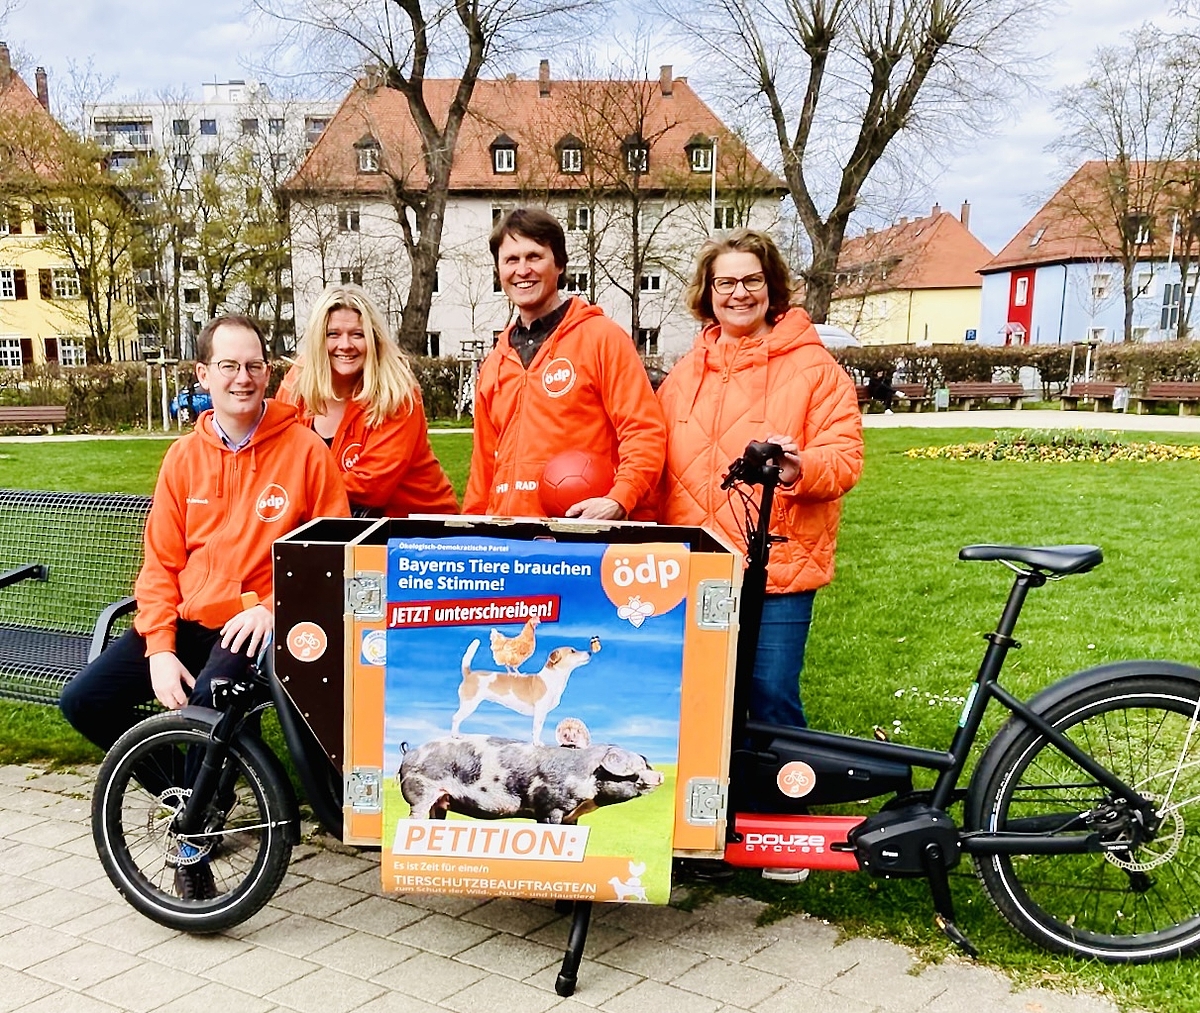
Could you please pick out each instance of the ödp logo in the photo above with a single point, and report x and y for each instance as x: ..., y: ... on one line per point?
x: 644, y: 580
x: 558, y: 377
x: 306, y: 641
x: 351, y: 455
x: 271, y: 503
x: 796, y: 779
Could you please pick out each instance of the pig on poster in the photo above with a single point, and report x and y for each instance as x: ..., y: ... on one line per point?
x: 532, y: 717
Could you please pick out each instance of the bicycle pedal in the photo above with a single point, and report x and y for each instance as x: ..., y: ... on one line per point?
x: 879, y: 733
x: 955, y: 935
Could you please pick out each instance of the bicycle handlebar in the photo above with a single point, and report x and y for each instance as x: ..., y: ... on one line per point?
x: 758, y: 465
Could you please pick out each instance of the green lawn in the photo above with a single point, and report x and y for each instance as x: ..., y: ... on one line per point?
x: 896, y: 637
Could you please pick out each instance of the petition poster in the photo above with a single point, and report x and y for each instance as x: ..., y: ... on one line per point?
x: 532, y: 717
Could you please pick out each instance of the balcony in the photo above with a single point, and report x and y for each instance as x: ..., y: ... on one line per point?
x: 124, y: 140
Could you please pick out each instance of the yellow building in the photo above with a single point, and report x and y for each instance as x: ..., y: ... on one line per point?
x: 914, y: 283
x: 44, y: 316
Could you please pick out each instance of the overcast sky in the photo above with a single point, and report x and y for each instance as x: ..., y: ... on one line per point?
x: 169, y: 44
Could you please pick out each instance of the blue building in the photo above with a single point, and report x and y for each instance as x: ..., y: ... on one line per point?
x: 1060, y: 281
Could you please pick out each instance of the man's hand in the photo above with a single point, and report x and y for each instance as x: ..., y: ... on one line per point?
x: 598, y: 508
x: 168, y: 676
x: 248, y: 629
x: 789, y: 470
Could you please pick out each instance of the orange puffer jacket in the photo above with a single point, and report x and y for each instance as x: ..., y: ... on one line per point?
x: 722, y: 395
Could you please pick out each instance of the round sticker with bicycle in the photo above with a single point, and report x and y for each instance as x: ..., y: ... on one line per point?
x: 306, y: 641
x: 796, y: 779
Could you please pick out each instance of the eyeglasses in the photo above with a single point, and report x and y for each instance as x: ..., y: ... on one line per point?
x: 256, y: 368
x: 751, y: 283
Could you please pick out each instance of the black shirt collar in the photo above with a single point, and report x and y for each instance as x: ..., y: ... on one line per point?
x: 527, y: 340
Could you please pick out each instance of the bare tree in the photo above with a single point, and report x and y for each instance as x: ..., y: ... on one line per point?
x: 406, y: 42
x: 1128, y: 117
x: 846, y: 83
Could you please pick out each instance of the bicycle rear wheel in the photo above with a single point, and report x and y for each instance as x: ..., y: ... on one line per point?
x: 1135, y: 904
x: 240, y: 857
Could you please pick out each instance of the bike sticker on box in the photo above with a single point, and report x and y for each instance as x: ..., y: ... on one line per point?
x: 532, y: 717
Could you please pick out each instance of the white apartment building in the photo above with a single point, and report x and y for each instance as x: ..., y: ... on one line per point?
x: 627, y: 166
x: 220, y: 158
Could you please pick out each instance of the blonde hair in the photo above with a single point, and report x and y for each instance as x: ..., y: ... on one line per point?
x: 388, y: 382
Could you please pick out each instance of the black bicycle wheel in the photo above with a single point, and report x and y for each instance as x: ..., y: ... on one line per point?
x: 238, y: 860
x: 1134, y: 904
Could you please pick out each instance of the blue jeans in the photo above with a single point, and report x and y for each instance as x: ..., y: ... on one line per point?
x: 775, y: 694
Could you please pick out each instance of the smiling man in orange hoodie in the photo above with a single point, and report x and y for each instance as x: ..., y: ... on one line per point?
x: 245, y: 476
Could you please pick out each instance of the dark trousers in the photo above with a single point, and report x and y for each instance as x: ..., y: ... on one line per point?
x: 102, y: 701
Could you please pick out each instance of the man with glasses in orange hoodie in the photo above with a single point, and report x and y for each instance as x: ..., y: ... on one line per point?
x: 245, y: 476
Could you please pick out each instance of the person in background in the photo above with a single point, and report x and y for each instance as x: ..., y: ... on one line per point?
x: 355, y: 388
x: 562, y: 376
x: 879, y: 388
x: 246, y: 475
x: 758, y: 371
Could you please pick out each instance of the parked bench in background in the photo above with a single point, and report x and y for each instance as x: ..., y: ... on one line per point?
x: 66, y: 561
x: 1099, y: 392
x: 48, y: 415
x: 914, y: 393
x: 1184, y: 393
x: 967, y: 393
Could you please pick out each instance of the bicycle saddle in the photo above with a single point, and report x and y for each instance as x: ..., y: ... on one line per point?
x: 1057, y: 559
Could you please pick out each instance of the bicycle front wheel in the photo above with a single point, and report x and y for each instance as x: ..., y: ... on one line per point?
x: 216, y: 878
x: 1137, y: 902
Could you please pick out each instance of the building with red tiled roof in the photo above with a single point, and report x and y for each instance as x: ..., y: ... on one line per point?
x: 1060, y: 279
x: 916, y: 282
x: 627, y: 166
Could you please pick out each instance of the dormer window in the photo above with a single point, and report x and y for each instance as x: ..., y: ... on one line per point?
x: 700, y: 153
x: 637, y: 154
x: 504, y: 154
x: 1037, y: 236
x: 570, y: 154
x: 367, y: 150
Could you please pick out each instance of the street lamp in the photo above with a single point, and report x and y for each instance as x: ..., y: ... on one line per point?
x: 712, y: 198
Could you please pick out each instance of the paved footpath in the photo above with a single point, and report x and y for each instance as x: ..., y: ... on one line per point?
x: 329, y: 942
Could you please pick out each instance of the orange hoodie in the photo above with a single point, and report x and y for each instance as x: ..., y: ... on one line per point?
x: 388, y: 469
x: 215, y: 514
x: 585, y: 388
x: 722, y: 395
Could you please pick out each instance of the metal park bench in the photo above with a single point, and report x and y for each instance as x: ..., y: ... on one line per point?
x: 967, y: 393
x: 48, y: 415
x: 67, y: 561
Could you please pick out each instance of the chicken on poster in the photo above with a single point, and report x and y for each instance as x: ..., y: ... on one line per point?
x: 532, y: 717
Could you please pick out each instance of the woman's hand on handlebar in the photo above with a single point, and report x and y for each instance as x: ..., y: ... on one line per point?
x: 789, y: 467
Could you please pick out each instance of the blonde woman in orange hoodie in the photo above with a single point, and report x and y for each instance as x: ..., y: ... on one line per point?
x: 356, y: 389
x: 758, y: 371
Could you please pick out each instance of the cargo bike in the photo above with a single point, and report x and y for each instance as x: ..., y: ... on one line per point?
x: 1080, y: 814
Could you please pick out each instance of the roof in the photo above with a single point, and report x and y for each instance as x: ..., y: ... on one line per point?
x: 933, y: 252
x: 574, y: 110
x: 1064, y: 229
x: 20, y: 108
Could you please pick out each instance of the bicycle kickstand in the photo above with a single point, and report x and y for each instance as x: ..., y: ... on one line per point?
x: 564, y: 985
x: 943, y: 904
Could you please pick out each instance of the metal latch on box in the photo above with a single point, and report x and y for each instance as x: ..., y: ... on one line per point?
x: 364, y: 790
x: 364, y: 595
x: 716, y: 606
x: 707, y: 799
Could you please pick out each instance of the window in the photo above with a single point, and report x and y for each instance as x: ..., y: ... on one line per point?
x: 279, y: 162
x: 1145, y: 284
x: 499, y: 211
x: 72, y: 352
x: 637, y: 159
x: 647, y: 341
x: 192, y: 296
x: 208, y: 163
x: 436, y: 280
x: 577, y: 281
x: 496, y: 338
x: 181, y: 163
x: 571, y: 160
x: 351, y: 276
x: 208, y: 127
x: 1141, y: 333
x: 181, y: 128
x: 702, y: 160
x: 1097, y: 333
x: 1169, y: 320
x: 496, y: 286
x: 504, y: 159
x: 190, y: 263
x: 8, y: 283
x: 275, y: 125
x: 349, y: 219
x: 250, y: 127
x: 1037, y: 236
x: 10, y: 352
x: 1021, y: 292
x: 724, y: 217
x: 1100, y: 285
x: 368, y: 159
x: 652, y: 282
x: 64, y: 219
x: 433, y: 343
x: 66, y: 283
x: 649, y: 215
x: 314, y: 126
x: 39, y: 220
x: 579, y: 218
